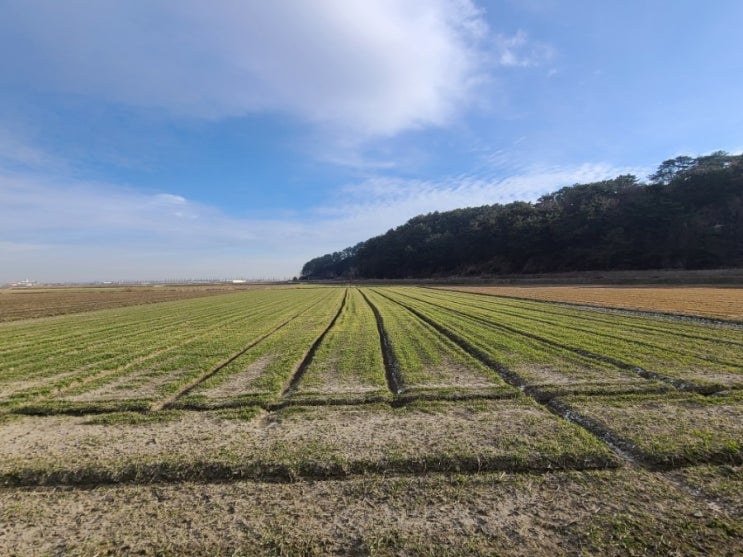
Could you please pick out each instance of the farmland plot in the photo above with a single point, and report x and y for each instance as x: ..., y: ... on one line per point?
x: 298, y: 441
x: 262, y: 371
x: 45, y: 302
x: 538, y: 366
x: 424, y: 402
x: 659, y: 348
x: 429, y: 362
x: 153, y: 352
x: 668, y: 430
x: 708, y: 302
x: 348, y: 364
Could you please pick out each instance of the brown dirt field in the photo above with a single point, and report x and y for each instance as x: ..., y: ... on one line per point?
x: 30, y: 303
x: 710, y: 302
x: 609, y: 513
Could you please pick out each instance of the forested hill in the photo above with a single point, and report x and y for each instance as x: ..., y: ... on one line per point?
x: 689, y: 215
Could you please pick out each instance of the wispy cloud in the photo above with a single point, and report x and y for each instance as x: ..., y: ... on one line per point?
x: 521, y: 51
x: 72, y: 230
x: 19, y: 152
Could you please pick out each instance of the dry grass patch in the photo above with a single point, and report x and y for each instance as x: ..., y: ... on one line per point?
x: 612, y: 513
x: 513, y: 434
x: 722, y: 486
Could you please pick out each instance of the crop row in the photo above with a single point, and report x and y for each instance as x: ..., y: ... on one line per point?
x: 702, y: 364
x: 312, y: 345
x: 373, y: 350
x: 146, y: 353
x: 446, y: 362
x: 321, y: 345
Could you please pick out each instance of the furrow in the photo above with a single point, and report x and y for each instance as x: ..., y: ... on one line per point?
x: 644, y: 373
x: 199, y: 380
x: 391, y: 366
x: 618, y: 445
x: 307, y: 360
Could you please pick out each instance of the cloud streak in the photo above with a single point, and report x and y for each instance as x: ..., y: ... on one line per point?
x: 56, y: 230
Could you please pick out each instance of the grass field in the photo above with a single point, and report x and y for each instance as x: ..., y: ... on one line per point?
x: 369, y: 421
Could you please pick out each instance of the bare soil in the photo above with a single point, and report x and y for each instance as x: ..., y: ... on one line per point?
x: 138, y: 385
x: 549, y: 375
x: 709, y: 302
x: 326, y: 378
x: 450, y: 373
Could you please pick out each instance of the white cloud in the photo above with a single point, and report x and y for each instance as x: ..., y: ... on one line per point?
x: 372, y: 68
x: 521, y: 52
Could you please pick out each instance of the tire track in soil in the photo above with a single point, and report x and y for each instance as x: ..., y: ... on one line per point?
x: 542, y: 319
x: 395, y: 382
x: 602, y: 315
x: 301, y: 369
x: 623, y: 448
x: 678, y: 384
x: 731, y: 323
x: 166, y: 403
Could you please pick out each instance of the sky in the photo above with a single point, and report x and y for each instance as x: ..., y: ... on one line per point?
x: 176, y: 139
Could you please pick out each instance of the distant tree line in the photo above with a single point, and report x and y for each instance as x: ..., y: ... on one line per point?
x: 689, y: 215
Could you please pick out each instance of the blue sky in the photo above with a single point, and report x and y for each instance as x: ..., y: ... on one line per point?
x: 156, y: 139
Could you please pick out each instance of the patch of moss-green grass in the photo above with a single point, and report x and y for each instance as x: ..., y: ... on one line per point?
x: 134, y: 418
x: 53, y: 407
x: 242, y: 413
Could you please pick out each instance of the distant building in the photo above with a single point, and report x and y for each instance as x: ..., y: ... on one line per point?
x: 24, y: 283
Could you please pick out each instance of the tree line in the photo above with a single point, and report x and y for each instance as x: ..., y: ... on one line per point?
x: 688, y: 215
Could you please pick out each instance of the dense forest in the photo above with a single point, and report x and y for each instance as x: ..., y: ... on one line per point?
x: 688, y: 215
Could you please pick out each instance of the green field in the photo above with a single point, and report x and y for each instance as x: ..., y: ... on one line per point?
x: 468, y: 404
